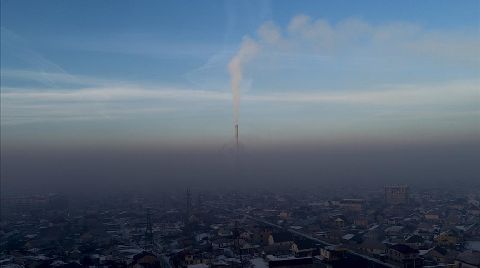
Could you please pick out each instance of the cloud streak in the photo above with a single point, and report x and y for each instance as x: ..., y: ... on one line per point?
x: 386, y: 95
x: 319, y: 36
x: 103, y: 101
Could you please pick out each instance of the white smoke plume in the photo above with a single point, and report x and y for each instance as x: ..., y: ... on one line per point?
x: 349, y: 42
x: 247, y: 50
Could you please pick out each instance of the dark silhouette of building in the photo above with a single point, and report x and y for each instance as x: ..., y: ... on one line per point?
x: 396, y: 195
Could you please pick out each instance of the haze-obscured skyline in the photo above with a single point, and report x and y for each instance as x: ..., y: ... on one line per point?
x: 155, y: 73
x: 240, y: 133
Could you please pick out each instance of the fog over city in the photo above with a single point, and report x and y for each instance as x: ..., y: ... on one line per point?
x: 98, y: 169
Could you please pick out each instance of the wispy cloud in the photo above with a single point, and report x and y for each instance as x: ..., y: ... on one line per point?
x: 15, y: 46
x: 107, y: 94
x: 104, y: 101
x: 304, y: 33
x: 57, y: 78
x: 106, y: 90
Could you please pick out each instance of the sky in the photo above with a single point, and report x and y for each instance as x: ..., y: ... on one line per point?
x: 143, y: 73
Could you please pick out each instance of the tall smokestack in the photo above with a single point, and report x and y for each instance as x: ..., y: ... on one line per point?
x: 236, y: 136
x: 247, y: 50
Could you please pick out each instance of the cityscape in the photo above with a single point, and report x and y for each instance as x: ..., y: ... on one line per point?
x: 240, y: 134
x: 396, y: 226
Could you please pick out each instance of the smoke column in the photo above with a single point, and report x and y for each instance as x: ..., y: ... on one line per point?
x: 247, y: 50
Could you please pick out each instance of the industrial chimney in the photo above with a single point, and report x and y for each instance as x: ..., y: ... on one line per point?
x: 236, y: 136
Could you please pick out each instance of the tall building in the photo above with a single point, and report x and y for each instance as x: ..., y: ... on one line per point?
x: 396, y: 194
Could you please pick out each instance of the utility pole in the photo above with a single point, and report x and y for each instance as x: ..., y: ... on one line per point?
x: 188, y: 211
x: 237, y: 237
x: 149, y: 232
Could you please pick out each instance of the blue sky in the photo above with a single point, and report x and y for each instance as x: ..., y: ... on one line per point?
x: 157, y: 71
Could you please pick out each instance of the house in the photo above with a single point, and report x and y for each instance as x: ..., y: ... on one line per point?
x: 224, y: 262
x: 202, y: 237
x: 472, y: 230
x: 280, y: 243
x: 403, y: 254
x: 432, y: 215
x: 468, y: 259
x: 145, y: 259
x: 354, y: 205
x: 394, y: 231
x: 336, y: 256
x: 280, y: 238
x: 225, y: 232
x: 284, y: 215
x: 304, y: 248
x: 415, y: 241
x: 306, y: 262
x: 473, y: 210
x: 221, y: 243
x: 361, y: 221
x: 339, y: 222
x: 279, y: 249
x: 352, y: 239
x: 261, y: 235
x: 393, y: 220
x: 332, y: 253
x: 247, y: 248
x: 427, y: 235
x: 375, y: 233
x: 372, y: 247
x: 440, y: 255
x: 190, y: 257
x: 449, y: 238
